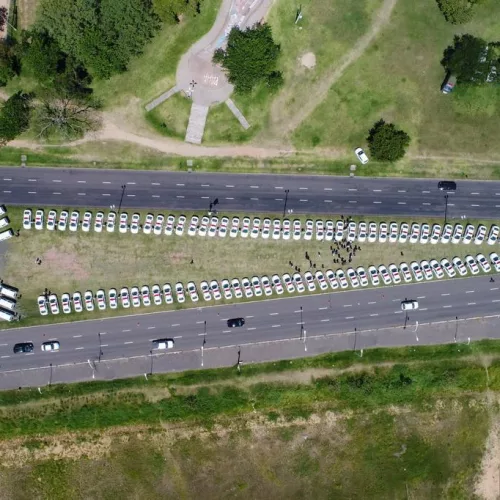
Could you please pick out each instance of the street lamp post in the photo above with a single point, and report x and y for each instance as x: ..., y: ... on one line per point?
x: 124, y: 186
x: 286, y: 200
x: 151, y: 367
x: 445, y: 207
x: 100, y: 346
x: 301, y: 324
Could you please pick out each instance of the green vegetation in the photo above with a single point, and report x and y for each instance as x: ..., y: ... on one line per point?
x: 171, y: 117
x: 250, y: 58
x: 9, y: 62
x: 171, y: 11
x: 457, y: 11
x: 386, y: 142
x: 15, y: 116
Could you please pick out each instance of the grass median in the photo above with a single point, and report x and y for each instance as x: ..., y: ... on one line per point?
x: 80, y: 261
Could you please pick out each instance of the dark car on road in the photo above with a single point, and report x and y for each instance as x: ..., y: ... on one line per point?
x: 447, y: 185
x: 235, y: 322
x: 24, y: 347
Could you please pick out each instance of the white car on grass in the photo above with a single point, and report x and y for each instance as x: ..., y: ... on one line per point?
x: 384, y: 274
x: 320, y: 278
x: 447, y: 232
x: 266, y: 228
x: 203, y: 229
x: 179, y: 292
x: 372, y: 232
x: 223, y: 227
x: 205, y: 290
x: 289, y: 283
x: 135, y: 296
x: 362, y: 232
x: 383, y: 232
x: 458, y: 233
x: 247, y: 287
x: 89, y: 300
x: 39, y: 219
x: 214, y: 287
x: 124, y: 297
x: 435, y: 234
x: 393, y: 232
x: 193, y: 292
x: 436, y: 268
x: 353, y: 277
x: 266, y: 284
x: 134, y: 223
x: 341, y: 278
x: 66, y: 303
x: 169, y: 226
x: 167, y: 293
x: 181, y: 222
x: 42, y: 305
x: 63, y: 220
x: 112, y: 298
x: 87, y: 221
x: 374, y: 277
x: 493, y: 235
x: 235, y: 227
x: 329, y: 230
x: 255, y: 228
x: 226, y: 289
x: 193, y: 225
x: 405, y: 271
x: 417, y: 271
x: 426, y: 269
x: 245, y: 227
x: 351, y: 231
x: 257, y: 288
x: 425, y: 233
x: 309, y: 278
x: 77, y: 302
x: 396, y: 277
x: 276, y: 229
x: 212, y: 229
x: 483, y: 262
x: 415, y: 233
x: 297, y: 229
x: 110, y: 224
x: 287, y: 229
x: 158, y: 227
x: 469, y: 234
x: 480, y: 235
x: 73, y: 221
x: 308, y: 234
x: 459, y: 266
x: 495, y: 260
x: 404, y: 231
x: 51, y: 220
x: 361, y: 155
x: 472, y: 264
x: 101, y: 299
x: 363, y: 279
x: 278, y: 287
x: 332, y: 279
x: 448, y: 268
x: 299, y: 284
x: 320, y: 230
x: 146, y: 298
x: 238, y: 292
x: 339, y: 230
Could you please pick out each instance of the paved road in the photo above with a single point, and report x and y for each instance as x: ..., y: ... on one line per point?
x: 241, y: 192
x: 273, y: 320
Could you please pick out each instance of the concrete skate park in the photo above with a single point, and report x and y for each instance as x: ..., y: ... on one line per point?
x: 204, y: 82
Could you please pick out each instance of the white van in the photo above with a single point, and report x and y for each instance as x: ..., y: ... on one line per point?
x: 9, y: 291
x: 4, y: 222
x: 6, y: 235
x: 7, y: 303
x: 7, y: 315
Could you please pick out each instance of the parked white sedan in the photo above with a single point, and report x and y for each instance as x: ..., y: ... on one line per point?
x: 483, y: 262
x: 495, y: 260
x: 374, y: 277
x: 179, y: 292
x: 472, y: 264
x: 372, y: 232
x: 309, y: 230
x: 193, y: 225
x: 320, y: 230
x: 169, y: 226
x: 459, y: 266
x: 276, y: 229
x: 223, y: 227
x: 450, y: 271
x: 235, y: 227
x: 226, y: 289
x: 493, y: 236
x: 238, y: 292
x: 339, y: 230
x: 87, y: 221
x: 193, y: 292
x: 77, y: 302
x: 73, y: 221
x: 255, y: 228
x: 297, y: 229
x: 158, y: 227
x: 425, y: 233
x: 112, y: 298
x: 63, y: 220
x: 42, y: 305
x: 66, y: 303
x: 205, y: 291
x: 436, y: 234
x: 110, y: 224
x: 101, y: 299
x: 134, y: 223
x: 480, y: 235
x: 89, y: 301
x: 278, y: 287
x: 123, y: 225
x: 181, y: 222
x: 39, y: 219
x: 51, y: 220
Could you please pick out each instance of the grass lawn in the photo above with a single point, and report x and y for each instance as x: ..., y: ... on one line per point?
x: 171, y: 117
x: 399, y: 427
x: 398, y: 79
x: 81, y: 261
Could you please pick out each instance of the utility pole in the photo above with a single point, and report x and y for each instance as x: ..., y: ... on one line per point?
x: 124, y: 186
x: 286, y: 199
x: 445, y: 207
x: 100, y: 346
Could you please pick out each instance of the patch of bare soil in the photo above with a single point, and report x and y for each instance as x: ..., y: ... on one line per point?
x: 65, y: 263
x: 488, y: 482
x: 308, y: 60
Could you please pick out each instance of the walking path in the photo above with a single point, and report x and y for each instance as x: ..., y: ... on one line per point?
x: 196, y: 125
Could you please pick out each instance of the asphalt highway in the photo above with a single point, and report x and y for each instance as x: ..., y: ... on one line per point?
x: 297, y: 317
x: 242, y: 192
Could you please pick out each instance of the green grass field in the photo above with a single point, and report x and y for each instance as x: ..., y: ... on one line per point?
x: 81, y: 261
x: 396, y: 426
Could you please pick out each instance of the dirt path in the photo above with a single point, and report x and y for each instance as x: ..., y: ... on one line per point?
x: 290, y: 117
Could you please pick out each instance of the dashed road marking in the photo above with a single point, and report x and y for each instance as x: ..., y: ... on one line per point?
x: 129, y: 342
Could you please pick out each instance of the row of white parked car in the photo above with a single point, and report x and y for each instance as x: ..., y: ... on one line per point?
x: 255, y: 286
x: 276, y: 229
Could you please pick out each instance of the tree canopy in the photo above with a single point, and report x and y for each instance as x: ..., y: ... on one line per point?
x: 9, y: 62
x: 386, y: 142
x: 470, y: 59
x: 250, y: 57
x: 102, y: 34
x: 457, y: 11
x: 15, y: 116
x: 170, y: 11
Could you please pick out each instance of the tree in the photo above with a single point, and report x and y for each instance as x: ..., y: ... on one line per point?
x: 170, y: 11
x: 4, y: 15
x: 102, y: 34
x: 15, y: 116
x: 457, y: 11
x: 469, y: 59
x: 386, y: 142
x: 65, y: 117
x: 9, y: 62
x: 250, y: 57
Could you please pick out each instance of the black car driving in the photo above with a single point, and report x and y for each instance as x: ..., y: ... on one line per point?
x: 24, y: 347
x: 235, y: 322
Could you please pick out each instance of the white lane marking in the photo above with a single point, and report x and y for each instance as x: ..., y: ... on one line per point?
x: 131, y: 183
x: 422, y: 309
x: 123, y: 331
x: 2, y: 345
x: 327, y: 201
x: 474, y: 193
x: 7, y: 191
x: 31, y: 192
x: 375, y: 314
x: 401, y: 202
x: 106, y: 182
x: 347, y: 305
x: 180, y: 184
x: 229, y: 198
x: 278, y: 199
x: 130, y: 195
x: 178, y: 196
x: 201, y: 335
x: 471, y: 303
x: 255, y: 199
x: 251, y: 328
x: 273, y: 314
x: 155, y: 196
x: 322, y: 308
x: 6, y: 179
x: 451, y: 204
x: 200, y: 322
x: 349, y: 317
x: 352, y: 201
x: 475, y: 205
x: 129, y: 342
x: 425, y: 203
x: 229, y: 186
x: 155, y: 183
x: 329, y: 189
x: 302, y: 200
x: 401, y: 190
x: 469, y: 291
x: 226, y: 331
x: 278, y: 187
x: 352, y: 189
x: 254, y: 187
x: 324, y: 320
x: 76, y: 336
x: 82, y: 182
x: 398, y: 312
x: 5, y: 357
x: 176, y: 324
x: 377, y: 190
x: 178, y: 337
x: 106, y: 194
x: 300, y: 323
x: 396, y: 300
x: 104, y: 333
x: 303, y: 188
x: 371, y: 302
x: 495, y: 300
x: 298, y: 310
x: 104, y: 345
x: 421, y: 297
x: 205, y: 197
x: 444, y: 294
x: 81, y: 194
x: 275, y: 326
x: 205, y: 185
x: 377, y: 202
x: 496, y: 288
x: 248, y: 316
x: 425, y: 192
x: 446, y: 307
x: 31, y: 180
x: 56, y: 180
x: 78, y: 348
x: 56, y: 193
x: 151, y: 327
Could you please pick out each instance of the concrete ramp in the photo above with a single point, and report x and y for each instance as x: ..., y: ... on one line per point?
x: 236, y: 112
x: 162, y: 98
x: 196, y: 125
